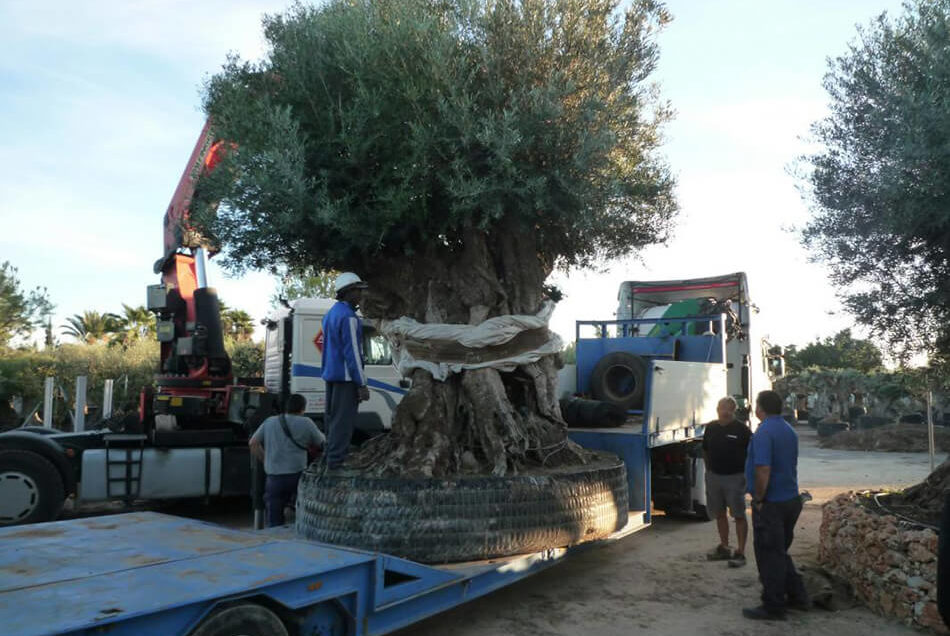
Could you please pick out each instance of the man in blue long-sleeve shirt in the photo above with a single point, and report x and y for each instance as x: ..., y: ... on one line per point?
x: 343, y: 366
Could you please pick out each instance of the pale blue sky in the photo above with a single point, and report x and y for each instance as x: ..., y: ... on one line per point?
x: 99, y: 110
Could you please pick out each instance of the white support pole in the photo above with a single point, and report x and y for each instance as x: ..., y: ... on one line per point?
x: 48, y: 387
x: 79, y: 415
x: 107, y: 400
x: 930, y: 427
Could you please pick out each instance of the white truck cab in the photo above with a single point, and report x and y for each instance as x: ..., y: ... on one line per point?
x: 293, y: 362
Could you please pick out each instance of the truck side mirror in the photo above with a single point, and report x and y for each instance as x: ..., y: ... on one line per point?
x: 778, y: 367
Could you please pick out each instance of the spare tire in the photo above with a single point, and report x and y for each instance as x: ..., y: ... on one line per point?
x: 620, y: 378
x: 464, y: 518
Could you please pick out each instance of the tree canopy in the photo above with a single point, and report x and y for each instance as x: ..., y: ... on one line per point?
x: 377, y: 131
x: 452, y: 153
x: 840, y: 351
x: 305, y: 282
x: 880, y: 187
x: 21, y: 310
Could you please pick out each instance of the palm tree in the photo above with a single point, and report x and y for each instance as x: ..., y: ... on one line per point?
x: 136, y: 323
x: 91, y: 326
x: 235, y: 323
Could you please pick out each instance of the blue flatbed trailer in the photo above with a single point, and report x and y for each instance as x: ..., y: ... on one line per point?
x: 150, y: 573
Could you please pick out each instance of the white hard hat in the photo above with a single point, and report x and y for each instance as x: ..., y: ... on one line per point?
x: 347, y: 279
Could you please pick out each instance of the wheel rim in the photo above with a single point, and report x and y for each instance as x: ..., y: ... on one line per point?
x: 19, y: 496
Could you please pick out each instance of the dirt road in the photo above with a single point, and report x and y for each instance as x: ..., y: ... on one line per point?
x: 658, y: 581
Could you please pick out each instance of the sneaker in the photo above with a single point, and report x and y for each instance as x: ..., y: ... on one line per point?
x: 721, y: 553
x: 737, y: 560
x: 762, y: 613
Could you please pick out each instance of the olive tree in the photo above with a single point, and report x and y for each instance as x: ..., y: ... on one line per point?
x: 453, y: 153
x: 880, y: 186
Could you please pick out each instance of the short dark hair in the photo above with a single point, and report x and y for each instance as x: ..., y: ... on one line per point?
x: 770, y: 402
x: 296, y: 404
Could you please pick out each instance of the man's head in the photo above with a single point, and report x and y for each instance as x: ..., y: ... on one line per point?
x: 296, y: 404
x: 768, y: 403
x: 349, y: 288
x: 726, y: 409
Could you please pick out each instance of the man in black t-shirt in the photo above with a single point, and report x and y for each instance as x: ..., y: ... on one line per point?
x: 725, y: 443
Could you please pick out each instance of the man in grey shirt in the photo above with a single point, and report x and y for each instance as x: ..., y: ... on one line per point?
x: 282, y: 441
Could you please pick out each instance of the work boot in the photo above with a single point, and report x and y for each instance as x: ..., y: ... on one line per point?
x: 721, y: 553
x: 762, y: 613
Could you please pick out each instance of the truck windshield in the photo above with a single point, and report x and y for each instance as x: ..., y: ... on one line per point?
x: 375, y: 347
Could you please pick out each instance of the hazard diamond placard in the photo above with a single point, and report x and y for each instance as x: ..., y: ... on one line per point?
x: 318, y: 341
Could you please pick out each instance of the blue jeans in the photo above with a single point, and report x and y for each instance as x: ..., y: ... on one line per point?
x: 343, y: 403
x: 278, y: 492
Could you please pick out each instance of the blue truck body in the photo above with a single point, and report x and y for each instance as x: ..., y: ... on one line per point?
x: 685, y: 376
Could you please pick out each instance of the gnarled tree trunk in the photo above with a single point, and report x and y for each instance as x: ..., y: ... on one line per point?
x: 480, y: 420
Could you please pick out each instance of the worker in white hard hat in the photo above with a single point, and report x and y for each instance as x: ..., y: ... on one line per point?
x: 346, y: 383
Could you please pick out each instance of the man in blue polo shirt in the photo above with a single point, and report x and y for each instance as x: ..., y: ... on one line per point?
x: 772, y: 480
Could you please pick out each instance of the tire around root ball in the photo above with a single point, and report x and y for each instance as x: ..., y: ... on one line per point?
x: 464, y: 518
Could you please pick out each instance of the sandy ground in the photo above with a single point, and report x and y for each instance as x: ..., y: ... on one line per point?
x: 658, y: 581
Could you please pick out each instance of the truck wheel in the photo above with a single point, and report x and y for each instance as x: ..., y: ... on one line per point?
x: 246, y: 619
x: 31, y: 489
x: 464, y: 518
x: 620, y: 378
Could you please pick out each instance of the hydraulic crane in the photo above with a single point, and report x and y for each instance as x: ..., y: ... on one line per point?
x: 194, y: 373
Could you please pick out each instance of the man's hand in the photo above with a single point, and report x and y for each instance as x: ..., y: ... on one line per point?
x: 257, y: 449
x: 761, y: 486
x: 364, y: 393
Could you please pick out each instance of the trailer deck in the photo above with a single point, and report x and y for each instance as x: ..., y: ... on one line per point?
x: 150, y: 573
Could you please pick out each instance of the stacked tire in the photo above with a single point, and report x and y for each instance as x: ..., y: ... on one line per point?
x: 464, y: 518
x: 592, y: 413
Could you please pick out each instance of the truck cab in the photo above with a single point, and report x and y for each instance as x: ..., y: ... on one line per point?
x: 293, y: 363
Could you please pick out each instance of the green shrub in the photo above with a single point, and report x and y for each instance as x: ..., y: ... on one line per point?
x: 22, y: 372
x: 247, y: 358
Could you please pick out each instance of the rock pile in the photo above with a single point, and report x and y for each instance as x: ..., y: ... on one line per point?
x: 891, y: 565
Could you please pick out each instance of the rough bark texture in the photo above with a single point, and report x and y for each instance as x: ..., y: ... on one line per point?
x: 480, y: 421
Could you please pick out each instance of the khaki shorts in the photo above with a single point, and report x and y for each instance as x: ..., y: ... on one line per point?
x: 724, y: 491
